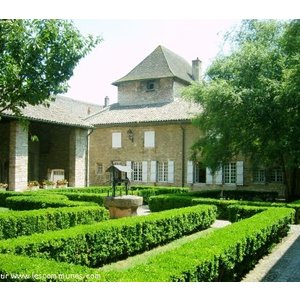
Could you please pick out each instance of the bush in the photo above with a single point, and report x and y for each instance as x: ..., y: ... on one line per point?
x: 169, y: 201
x: 226, y: 254
x: 18, y: 223
x: 239, y: 212
x: 42, y: 201
x: 250, y: 195
x: 222, y: 206
x: 101, y: 243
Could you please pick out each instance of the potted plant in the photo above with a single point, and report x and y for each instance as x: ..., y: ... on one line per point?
x: 33, y: 185
x: 62, y: 183
x: 3, y: 186
x: 48, y: 184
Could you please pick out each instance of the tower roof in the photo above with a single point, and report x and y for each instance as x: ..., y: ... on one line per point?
x: 161, y: 63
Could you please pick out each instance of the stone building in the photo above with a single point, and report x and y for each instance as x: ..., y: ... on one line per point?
x: 62, y: 143
x: 150, y: 130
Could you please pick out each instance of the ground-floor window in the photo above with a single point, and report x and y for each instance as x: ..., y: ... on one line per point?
x: 259, y: 176
x: 276, y: 175
x: 137, y: 171
x: 229, y: 171
x: 199, y: 173
x: 162, y: 171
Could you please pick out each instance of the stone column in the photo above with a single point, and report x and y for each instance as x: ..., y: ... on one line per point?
x: 18, y: 157
x: 78, y: 148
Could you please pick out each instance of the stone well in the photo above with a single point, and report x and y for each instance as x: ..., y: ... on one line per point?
x: 123, y: 206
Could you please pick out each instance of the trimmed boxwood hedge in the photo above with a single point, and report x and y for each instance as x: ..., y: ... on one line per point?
x: 17, y: 223
x: 97, y: 244
x: 223, y: 255
x: 222, y: 206
x: 226, y: 254
x: 42, y: 201
x: 169, y: 201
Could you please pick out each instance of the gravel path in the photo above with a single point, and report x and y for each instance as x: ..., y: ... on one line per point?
x: 283, y: 264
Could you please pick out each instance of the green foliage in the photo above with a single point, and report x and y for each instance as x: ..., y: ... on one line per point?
x: 14, y: 224
x: 240, y: 212
x: 223, y: 206
x: 169, y: 201
x: 250, y: 101
x: 28, y: 202
x: 37, y: 59
x: 97, y: 244
x: 223, y: 255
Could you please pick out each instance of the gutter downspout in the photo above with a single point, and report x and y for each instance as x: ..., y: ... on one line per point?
x: 183, y: 156
x: 87, y: 158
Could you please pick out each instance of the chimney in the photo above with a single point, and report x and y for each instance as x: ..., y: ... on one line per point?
x: 196, y: 69
x: 106, y: 101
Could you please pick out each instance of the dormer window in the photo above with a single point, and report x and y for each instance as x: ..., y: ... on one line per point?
x: 150, y: 85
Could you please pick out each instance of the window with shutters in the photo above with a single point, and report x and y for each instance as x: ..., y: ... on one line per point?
x: 137, y: 171
x: 162, y: 171
x: 229, y: 171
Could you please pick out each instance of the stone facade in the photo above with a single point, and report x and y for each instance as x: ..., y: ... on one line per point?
x: 171, y: 144
x: 137, y: 93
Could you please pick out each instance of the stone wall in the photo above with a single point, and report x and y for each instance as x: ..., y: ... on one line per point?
x: 136, y: 93
x: 4, y: 151
x: 168, y: 147
x: 18, y: 157
x: 78, y: 148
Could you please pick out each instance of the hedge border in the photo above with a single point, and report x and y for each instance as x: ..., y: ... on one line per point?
x: 223, y: 255
x: 18, y: 223
x: 101, y: 243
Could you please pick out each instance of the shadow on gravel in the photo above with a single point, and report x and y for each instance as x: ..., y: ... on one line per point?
x: 287, y: 269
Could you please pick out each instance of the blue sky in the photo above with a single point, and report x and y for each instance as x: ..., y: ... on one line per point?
x: 127, y: 42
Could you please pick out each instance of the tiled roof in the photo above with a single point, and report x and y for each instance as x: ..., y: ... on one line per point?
x: 178, y: 110
x: 161, y: 63
x: 55, y: 113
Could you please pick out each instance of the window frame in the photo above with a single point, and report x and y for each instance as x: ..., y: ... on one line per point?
x: 162, y: 171
x: 116, y: 140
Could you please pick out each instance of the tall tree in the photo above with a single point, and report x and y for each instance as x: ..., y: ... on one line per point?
x: 37, y: 58
x: 250, y: 100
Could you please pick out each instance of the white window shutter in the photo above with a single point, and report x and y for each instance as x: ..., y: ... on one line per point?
x: 171, y: 171
x: 190, y: 175
x: 153, y: 171
x: 209, y: 177
x: 116, y: 140
x: 144, y: 171
x: 149, y: 139
x: 129, y: 165
x: 240, y: 173
x: 219, y: 176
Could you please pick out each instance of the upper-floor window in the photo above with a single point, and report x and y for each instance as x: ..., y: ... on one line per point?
x: 150, y: 85
x: 116, y: 140
x: 149, y: 139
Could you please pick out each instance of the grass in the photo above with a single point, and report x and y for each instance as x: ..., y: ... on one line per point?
x: 144, y: 257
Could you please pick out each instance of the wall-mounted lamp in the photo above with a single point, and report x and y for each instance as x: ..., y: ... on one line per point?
x: 130, y: 134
